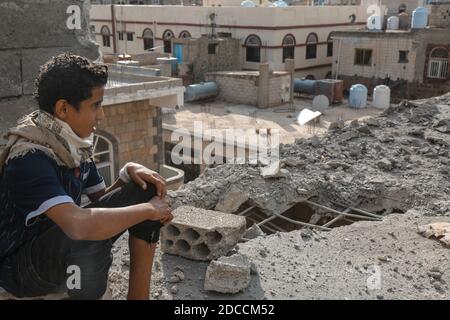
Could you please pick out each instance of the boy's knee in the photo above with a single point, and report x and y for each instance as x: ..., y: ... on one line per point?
x: 137, y: 194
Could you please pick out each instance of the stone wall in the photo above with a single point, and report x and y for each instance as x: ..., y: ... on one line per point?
x: 440, y: 15
x: 137, y: 129
x: 31, y: 33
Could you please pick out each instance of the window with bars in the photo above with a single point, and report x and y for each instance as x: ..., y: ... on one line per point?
x: 363, y: 57
x: 438, y: 65
x: 253, y: 49
x: 288, y: 47
x: 130, y: 36
x: 311, y: 46
x: 106, y: 36
x: 104, y: 158
x: 120, y: 35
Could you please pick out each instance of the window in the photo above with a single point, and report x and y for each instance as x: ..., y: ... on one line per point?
x: 104, y: 159
x: 438, y: 64
x: 363, y: 57
x: 329, y: 46
x: 129, y: 36
x: 310, y: 77
x: 185, y: 35
x: 120, y: 35
x: 403, y: 56
x: 311, y: 46
x: 212, y: 48
x: 106, y: 36
x: 92, y: 29
x: 167, y: 40
x: 288, y: 47
x: 147, y: 35
x: 253, y: 49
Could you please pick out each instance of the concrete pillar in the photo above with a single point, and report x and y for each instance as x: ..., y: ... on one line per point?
x: 263, y: 85
x: 290, y: 67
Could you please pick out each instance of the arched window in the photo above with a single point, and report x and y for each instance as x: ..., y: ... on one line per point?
x: 167, y: 37
x: 438, y: 64
x: 329, y: 46
x: 288, y: 47
x: 185, y: 35
x: 329, y: 75
x: 311, y: 46
x: 147, y: 35
x: 253, y: 48
x: 104, y: 158
x: 106, y: 36
x: 310, y: 77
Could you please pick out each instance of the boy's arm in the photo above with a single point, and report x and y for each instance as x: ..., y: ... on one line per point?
x: 97, y: 195
x: 104, y: 223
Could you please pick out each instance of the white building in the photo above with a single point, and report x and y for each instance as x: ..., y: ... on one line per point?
x: 267, y: 34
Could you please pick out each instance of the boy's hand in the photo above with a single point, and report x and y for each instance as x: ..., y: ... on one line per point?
x: 142, y: 175
x: 161, y: 210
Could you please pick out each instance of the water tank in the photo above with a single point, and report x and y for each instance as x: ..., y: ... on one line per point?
x: 419, y: 18
x: 358, y: 96
x: 374, y: 22
x: 279, y: 3
x: 393, y: 23
x: 248, y: 4
x: 381, y: 97
x: 200, y: 91
x: 305, y: 86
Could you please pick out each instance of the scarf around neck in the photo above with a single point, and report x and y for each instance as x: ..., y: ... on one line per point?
x: 42, y: 131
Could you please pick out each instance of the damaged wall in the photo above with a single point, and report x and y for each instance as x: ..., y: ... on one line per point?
x: 33, y: 32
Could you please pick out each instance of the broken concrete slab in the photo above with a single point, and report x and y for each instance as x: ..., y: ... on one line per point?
x: 232, y: 200
x: 440, y: 230
x: 271, y: 171
x: 200, y: 234
x: 254, y: 232
x: 228, y: 274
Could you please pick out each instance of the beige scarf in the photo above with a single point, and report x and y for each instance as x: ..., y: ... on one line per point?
x: 42, y: 131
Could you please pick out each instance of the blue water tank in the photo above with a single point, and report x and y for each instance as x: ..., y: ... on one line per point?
x: 305, y: 86
x: 419, y: 18
x: 358, y: 96
x: 200, y: 91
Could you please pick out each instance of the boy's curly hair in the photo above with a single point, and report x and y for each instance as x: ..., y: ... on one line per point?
x: 69, y: 77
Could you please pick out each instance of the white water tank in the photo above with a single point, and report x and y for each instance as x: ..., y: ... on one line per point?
x: 358, y: 96
x: 381, y: 97
x: 419, y: 18
x: 393, y: 23
x: 248, y: 4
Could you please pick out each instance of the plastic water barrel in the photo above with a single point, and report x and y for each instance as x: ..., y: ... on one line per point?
x: 200, y: 91
x: 393, y: 23
x: 248, y: 4
x: 358, y: 96
x: 381, y: 97
x: 305, y: 86
x: 419, y: 18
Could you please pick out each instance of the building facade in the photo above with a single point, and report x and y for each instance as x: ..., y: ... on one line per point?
x: 415, y: 63
x: 266, y: 34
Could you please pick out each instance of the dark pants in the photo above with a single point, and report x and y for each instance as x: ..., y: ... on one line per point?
x: 43, y: 265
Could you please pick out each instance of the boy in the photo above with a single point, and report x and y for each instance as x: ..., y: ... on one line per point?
x: 45, y: 168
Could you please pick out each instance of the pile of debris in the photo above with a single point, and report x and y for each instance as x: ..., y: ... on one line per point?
x: 392, y: 171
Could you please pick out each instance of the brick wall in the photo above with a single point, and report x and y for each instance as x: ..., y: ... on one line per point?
x: 137, y: 128
x: 439, y: 15
x: 237, y: 88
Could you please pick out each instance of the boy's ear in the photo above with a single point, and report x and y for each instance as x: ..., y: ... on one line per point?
x: 61, y: 109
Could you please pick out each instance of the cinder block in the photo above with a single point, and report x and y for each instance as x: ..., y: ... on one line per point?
x: 200, y: 234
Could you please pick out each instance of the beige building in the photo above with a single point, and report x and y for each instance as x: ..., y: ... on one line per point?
x: 266, y: 34
x: 415, y: 63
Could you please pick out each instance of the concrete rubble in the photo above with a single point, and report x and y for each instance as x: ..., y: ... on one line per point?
x: 228, y: 274
x: 395, y: 165
x: 200, y: 234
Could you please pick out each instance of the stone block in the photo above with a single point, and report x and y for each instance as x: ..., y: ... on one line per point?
x: 200, y: 234
x: 10, y: 77
x: 228, y: 274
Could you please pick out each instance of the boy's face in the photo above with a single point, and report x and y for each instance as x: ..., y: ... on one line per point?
x: 85, y: 120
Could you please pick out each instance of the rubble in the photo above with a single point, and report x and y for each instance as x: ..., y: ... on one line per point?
x: 228, y: 274
x: 440, y: 230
